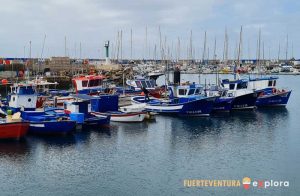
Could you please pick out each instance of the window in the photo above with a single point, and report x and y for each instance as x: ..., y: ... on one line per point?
x: 84, y: 83
x: 274, y: 83
x: 191, y: 91
x: 231, y: 86
x: 242, y: 85
x: 152, y: 83
x: 144, y: 84
x: 96, y: 82
x: 148, y: 84
x: 138, y: 84
x: 197, y: 91
x: 182, y: 91
x: 270, y: 83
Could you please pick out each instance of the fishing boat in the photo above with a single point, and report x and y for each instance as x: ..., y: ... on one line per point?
x: 88, y: 84
x: 118, y: 116
x: 42, y: 122
x: 244, y: 98
x: 222, y: 103
x: 139, y: 82
x: 182, y: 106
x: 21, y: 97
x: 135, y: 107
x: 184, y: 100
x: 268, y: 93
x: 13, y: 130
x: 80, y: 111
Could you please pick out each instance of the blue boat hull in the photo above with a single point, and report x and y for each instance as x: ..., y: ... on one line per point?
x: 280, y: 99
x: 97, y: 121
x: 201, y: 107
x: 52, y: 127
x: 223, y: 104
x: 244, y: 102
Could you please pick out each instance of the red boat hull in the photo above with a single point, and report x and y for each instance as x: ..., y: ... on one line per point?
x: 14, y: 130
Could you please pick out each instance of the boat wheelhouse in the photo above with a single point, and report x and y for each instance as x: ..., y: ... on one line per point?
x: 262, y: 83
x: 244, y: 98
x: 88, y: 84
x: 140, y: 82
x: 191, y: 91
x: 22, y: 96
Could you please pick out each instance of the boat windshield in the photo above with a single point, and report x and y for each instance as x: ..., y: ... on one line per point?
x: 26, y: 90
x: 144, y: 84
x: 94, y: 83
x: 138, y: 84
x: 231, y: 86
x: 242, y: 85
x: 270, y: 83
x: 182, y: 92
x: 148, y: 84
x: 191, y: 91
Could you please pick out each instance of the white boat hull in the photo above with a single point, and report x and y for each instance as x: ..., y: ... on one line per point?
x: 124, y: 117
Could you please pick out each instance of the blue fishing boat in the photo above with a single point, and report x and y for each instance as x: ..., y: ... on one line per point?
x: 243, y: 98
x: 268, y: 93
x: 184, y: 100
x: 43, y: 123
x: 222, y: 103
x: 182, y: 106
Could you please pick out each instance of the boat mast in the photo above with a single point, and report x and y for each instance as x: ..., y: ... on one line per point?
x: 239, y: 52
x: 178, y: 50
x: 29, y: 59
x: 258, y: 52
x: 215, y: 59
x: 287, y: 47
x: 42, y: 52
x: 130, y: 44
x: 278, y: 52
x: 203, y: 57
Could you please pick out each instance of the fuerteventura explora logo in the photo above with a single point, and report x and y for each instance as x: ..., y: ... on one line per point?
x: 246, y: 182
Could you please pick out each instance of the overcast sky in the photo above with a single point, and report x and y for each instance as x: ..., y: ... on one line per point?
x: 91, y: 22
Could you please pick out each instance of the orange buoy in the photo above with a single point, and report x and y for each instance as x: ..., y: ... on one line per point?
x: 4, y: 81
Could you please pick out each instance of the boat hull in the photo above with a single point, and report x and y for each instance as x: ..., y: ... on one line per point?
x: 244, y: 102
x: 279, y: 99
x: 125, y: 117
x: 14, y: 130
x: 201, y: 107
x: 223, y: 104
x: 52, y: 127
x: 97, y: 121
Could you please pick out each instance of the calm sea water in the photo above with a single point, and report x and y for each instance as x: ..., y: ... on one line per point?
x: 153, y: 158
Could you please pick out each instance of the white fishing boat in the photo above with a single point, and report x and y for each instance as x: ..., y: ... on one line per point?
x: 133, y: 108
x: 118, y: 116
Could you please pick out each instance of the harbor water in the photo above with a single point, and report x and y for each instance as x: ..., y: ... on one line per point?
x: 155, y: 157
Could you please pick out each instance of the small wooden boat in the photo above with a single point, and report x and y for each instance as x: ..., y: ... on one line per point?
x: 13, y: 130
x: 118, y: 116
x: 133, y: 108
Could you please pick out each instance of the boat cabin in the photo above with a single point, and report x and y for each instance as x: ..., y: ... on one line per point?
x: 22, y: 96
x: 185, y: 91
x: 262, y: 83
x: 234, y: 88
x: 88, y: 84
x: 138, y: 84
